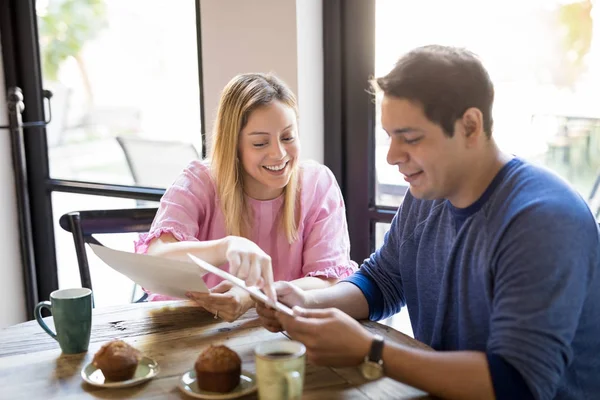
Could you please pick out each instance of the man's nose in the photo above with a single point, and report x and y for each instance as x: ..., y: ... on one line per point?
x: 396, y: 154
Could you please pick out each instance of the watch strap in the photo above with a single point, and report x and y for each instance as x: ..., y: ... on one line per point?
x: 376, y: 352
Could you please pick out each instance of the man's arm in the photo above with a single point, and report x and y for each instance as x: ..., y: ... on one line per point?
x: 344, y: 296
x: 449, y: 375
x: 333, y: 338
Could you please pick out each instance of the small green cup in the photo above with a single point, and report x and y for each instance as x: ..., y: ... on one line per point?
x: 72, y: 313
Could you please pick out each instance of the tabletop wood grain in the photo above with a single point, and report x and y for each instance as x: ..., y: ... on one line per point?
x: 173, y: 333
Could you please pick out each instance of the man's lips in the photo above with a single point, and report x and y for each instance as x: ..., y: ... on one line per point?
x: 411, y: 177
x: 407, y: 175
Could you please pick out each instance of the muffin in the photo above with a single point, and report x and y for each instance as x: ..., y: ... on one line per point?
x: 218, y: 369
x: 117, y: 360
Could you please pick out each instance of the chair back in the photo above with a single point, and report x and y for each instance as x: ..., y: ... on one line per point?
x: 156, y: 163
x: 84, y: 224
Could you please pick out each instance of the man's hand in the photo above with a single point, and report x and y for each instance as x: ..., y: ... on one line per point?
x: 331, y: 337
x: 288, y: 294
x: 225, y: 299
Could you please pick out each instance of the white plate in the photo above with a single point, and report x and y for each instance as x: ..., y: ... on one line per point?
x: 189, y: 386
x: 147, y: 369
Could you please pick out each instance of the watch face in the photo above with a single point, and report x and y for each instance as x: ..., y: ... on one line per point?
x: 371, y: 370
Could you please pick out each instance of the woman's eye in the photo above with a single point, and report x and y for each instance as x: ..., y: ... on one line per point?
x: 259, y: 144
x: 288, y: 139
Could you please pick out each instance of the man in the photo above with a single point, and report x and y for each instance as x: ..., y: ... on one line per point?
x: 497, y: 260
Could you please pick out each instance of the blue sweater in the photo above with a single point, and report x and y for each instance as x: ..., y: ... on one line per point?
x: 515, y: 275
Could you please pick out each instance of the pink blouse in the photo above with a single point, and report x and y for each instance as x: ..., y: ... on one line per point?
x: 189, y: 210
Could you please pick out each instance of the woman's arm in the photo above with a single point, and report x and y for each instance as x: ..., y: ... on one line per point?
x: 246, y: 260
x: 211, y: 251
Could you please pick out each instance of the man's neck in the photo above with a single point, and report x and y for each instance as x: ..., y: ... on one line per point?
x: 483, y: 170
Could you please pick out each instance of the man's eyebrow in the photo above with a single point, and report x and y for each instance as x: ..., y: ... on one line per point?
x: 408, y: 129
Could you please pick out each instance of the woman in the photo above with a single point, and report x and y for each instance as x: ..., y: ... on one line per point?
x: 254, y: 206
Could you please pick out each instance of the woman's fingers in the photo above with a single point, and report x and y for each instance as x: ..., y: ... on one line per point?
x: 235, y: 261
x: 254, y: 272
x: 244, y: 268
x: 222, y: 287
x: 267, y: 276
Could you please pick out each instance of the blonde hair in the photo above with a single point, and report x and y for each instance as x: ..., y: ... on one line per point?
x: 242, y: 95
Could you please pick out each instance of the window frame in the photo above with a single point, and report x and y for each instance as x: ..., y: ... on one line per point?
x: 349, y: 111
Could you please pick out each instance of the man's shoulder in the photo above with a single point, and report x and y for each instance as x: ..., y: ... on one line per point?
x: 536, y: 189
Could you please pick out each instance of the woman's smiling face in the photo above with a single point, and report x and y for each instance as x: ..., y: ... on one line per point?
x: 268, y: 150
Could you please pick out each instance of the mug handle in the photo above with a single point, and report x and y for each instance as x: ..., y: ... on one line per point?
x: 294, y: 385
x: 38, y: 317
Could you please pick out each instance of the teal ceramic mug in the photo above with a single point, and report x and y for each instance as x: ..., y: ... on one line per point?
x: 72, y: 314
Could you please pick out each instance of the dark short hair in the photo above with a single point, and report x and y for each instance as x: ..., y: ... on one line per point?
x: 446, y: 81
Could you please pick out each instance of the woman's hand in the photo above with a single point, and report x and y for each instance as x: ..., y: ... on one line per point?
x: 224, y: 300
x: 287, y: 294
x: 248, y: 262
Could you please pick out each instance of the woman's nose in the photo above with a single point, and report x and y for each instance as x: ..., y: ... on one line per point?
x: 277, y: 151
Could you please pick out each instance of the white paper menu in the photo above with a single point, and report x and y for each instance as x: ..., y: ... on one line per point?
x: 157, y: 274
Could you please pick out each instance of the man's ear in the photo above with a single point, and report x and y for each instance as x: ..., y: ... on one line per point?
x: 472, y: 121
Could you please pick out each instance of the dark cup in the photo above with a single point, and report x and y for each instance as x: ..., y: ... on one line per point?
x: 72, y: 314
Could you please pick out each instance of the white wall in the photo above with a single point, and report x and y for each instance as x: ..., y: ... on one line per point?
x: 12, y: 291
x: 279, y: 36
x: 309, y: 17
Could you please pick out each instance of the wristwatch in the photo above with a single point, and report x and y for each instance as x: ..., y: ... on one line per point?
x: 372, y: 367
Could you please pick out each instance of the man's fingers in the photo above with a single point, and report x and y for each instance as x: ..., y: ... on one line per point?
x: 283, y: 288
x: 265, y: 311
x: 314, y: 313
x: 308, y: 339
x: 299, y: 325
x: 274, y: 328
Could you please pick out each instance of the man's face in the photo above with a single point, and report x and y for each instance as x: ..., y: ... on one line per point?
x: 431, y: 162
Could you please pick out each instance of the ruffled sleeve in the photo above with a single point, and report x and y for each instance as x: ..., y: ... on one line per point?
x: 183, y: 207
x: 326, y: 251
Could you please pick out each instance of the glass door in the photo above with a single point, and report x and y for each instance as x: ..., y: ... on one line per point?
x: 126, y: 106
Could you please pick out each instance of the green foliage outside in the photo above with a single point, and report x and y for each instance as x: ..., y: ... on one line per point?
x: 65, y: 26
x: 576, y: 31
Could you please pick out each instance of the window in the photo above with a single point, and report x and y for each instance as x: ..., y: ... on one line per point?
x: 115, y: 73
x: 543, y: 57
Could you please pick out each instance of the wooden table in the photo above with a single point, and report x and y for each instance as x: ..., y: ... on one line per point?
x: 173, y: 333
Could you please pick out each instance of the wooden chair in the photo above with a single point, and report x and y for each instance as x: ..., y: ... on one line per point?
x: 84, y: 224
